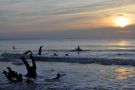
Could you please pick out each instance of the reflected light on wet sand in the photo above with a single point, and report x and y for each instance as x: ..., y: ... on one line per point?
x: 123, y: 73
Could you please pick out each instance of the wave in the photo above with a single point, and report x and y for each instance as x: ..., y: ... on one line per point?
x: 69, y: 59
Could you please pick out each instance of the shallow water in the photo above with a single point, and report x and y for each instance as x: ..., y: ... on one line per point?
x: 76, y: 77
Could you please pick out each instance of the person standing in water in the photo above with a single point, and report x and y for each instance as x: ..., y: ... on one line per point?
x: 78, y: 49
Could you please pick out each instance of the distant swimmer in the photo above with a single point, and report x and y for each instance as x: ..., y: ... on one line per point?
x: 78, y: 48
x: 57, y: 77
x: 55, y: 54
x: 40, y: 50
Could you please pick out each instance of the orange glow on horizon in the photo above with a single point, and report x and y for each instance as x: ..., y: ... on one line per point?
x: 122, y: 21
x: 122, y: 43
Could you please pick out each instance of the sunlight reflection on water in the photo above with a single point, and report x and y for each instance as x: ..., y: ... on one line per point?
x: 77, y: 77
x: 124, y: 73
x: 120, y: 43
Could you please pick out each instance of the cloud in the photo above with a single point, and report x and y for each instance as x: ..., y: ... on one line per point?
x: 42, y: 16
x: 97, y: 6
x: 100, y: 33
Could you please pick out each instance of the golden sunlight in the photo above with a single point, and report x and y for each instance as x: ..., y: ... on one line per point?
x: 122, y: 21
x: 122, y: 43
x: 123, y: 73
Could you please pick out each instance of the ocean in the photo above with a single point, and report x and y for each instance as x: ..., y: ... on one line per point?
x: 92, y: 48
x: 118, y: 74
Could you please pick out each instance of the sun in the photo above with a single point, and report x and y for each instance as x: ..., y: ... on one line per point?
x: 122, y: 21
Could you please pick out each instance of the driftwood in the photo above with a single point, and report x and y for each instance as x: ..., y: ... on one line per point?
x: 31, y: 70
x: 29, y: 51
x: 13, y: 76
x: 40, y: 50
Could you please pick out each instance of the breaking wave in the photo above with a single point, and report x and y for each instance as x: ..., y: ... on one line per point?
x: 84, y: 58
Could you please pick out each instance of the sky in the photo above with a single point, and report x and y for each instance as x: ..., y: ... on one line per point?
x: 93, y: 19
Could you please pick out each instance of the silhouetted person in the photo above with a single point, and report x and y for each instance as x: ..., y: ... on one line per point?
x: 78, y: 48
x: 12, y: 75
x: 40, y: 50
x: 31, y: 70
